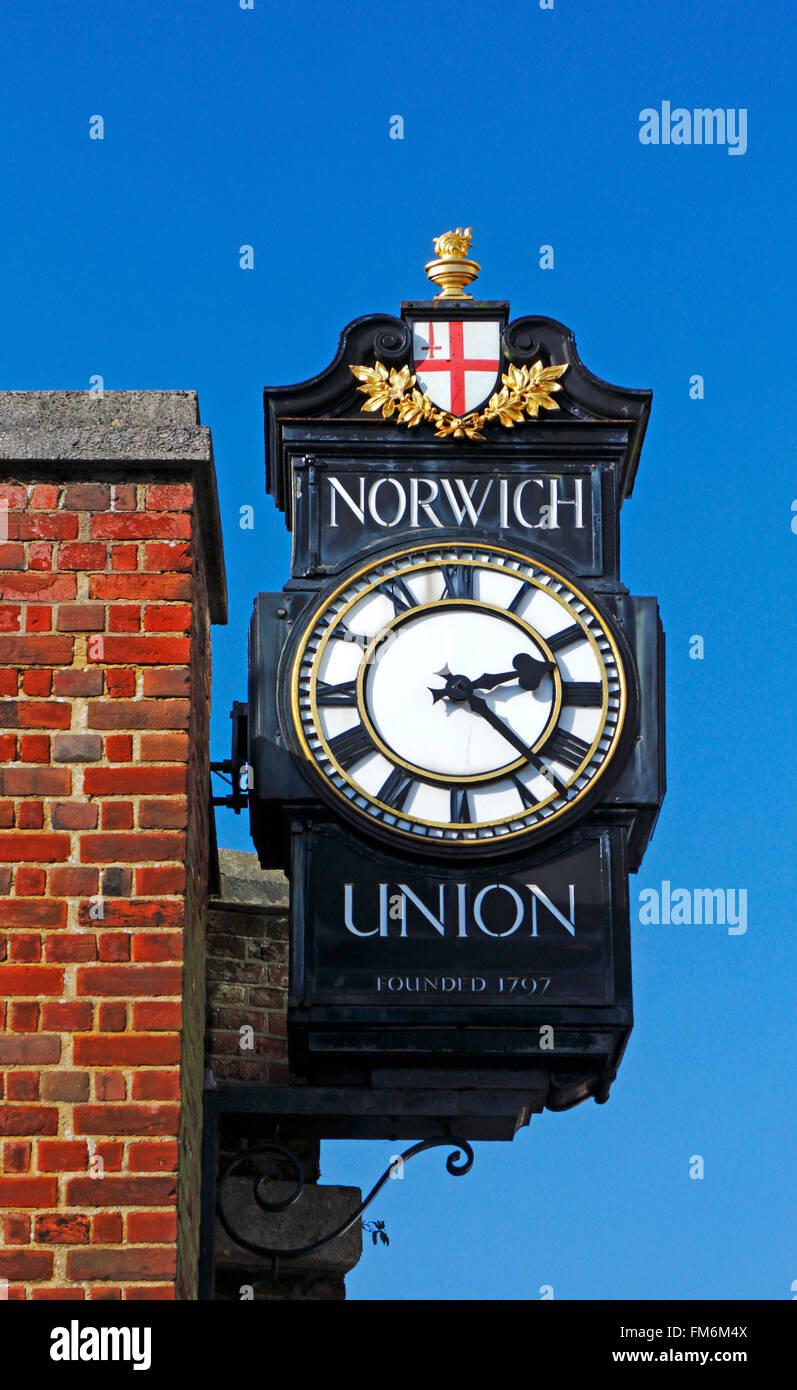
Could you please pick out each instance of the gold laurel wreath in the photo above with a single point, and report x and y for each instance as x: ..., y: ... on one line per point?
x: 524, y: 391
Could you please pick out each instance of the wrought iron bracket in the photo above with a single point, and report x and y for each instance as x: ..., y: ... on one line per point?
x: 455, y: 1165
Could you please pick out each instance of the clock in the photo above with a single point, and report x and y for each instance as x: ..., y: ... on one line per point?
x: 460, y: 698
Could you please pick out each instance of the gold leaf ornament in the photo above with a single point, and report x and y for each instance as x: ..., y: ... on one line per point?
x: 524, y: 392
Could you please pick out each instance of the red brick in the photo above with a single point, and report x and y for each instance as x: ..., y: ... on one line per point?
x: 154, y: 882
x: 151, y: 1227
x: 170, y: 497
x: 71, y: 946
x: 41, y: 979
x: 141, y: 526
x: 74, y: 815
x: 157, y: 1157
x: 136, y: 914
x: 57, y: 1229
x: 157, y: 946
x: 22, y: 1085
x: 117, y: 882
x: 62, y: 1155
x: 165, y: 587
x: 40, y: 781
x: 30, y: 816
x: 25, y: 948
x: 38, y: 682
x: 12, y: 555
x: 138, y: 714
x: 23, y: 1017
x: 65, y: 1085
x: 8, y: 682
x: 170, y: 617
x: 124, y: 781
x: 164, y: 748
x: 109, y: 1085
x: 165, y: 815
x: 34, y: 748
x: 121, y: 1264
x: 6, y: 815
x: 28, y: 1264
x: 151, y: 1016
x: 124, y: 558
x: 8, y: 752
x: 87, y: 682
x: 156, y: 1085
x: 16, y: 1229
x: 80, y: 556
x: 9, y: 617
x: 105, y: 1293
x: 43, y: 651
x: 28, y: 1119
x: 34, y: 1192
x: 31, y: 1049
x: 33, y: 845
x: 157, y: 1191
x: 30, y: 912
x: 129, y: 981
x: 124, y: 617
x: 15, y: 495
x: 148, y: 1293
x: 67, y: 1016
x: 40, y: 555
x: 113, y: 1017
x: 120, y: 848
x: 159, y: 651
x: 167, y: 683
x: 126, y: 1119
x: 54, y: 587
x: 159, y: 557
x: 44, y: 497
x: 115, y: 946
x: 119, y: 684
x: 72, y: 881
x: 119, y: 749
x: 29, y: 882
x: 45, y: 528
x: 88, y: 497
x: 111, y: 1153
x: 44, y: 714
x: 117, y: 815
x: 124, y: 497
x: 106, y: 1228
x: 38, y: 619
x: 81, y: 617
x: 16, y: 1157
x: 126, y: 1050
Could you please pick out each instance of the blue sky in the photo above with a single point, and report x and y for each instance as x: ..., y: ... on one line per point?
x: 269, y: 127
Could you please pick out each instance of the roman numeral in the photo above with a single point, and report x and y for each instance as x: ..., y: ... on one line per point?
x: 396, y: 789
x: 524, y: 793
x: 460, y: 810
x: 344, y: 694
x: 566, y: 637
x: 519, y: 597
x: 566, y: 748
x: 458, y: 581
x: 587, y: 694
x: 351, y: 747
x: 400, y: 596
x: 342, y: 633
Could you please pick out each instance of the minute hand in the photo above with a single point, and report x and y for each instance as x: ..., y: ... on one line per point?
x: 481, y: 707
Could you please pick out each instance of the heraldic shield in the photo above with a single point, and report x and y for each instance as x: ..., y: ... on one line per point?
x: 457, y: 362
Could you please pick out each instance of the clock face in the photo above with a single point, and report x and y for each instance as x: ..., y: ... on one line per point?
x: 458, y: 696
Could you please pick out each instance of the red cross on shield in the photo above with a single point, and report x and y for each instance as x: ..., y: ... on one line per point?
x: 457, y: 363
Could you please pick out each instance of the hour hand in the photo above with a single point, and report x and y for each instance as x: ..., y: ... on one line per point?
x: 530, y: 672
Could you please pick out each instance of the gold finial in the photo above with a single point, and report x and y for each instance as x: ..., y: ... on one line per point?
x: 452, y: 269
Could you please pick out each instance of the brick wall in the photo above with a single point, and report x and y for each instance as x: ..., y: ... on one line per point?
x: 109, y: 577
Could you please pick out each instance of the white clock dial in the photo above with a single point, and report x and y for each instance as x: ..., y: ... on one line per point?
x: 458, y: 695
